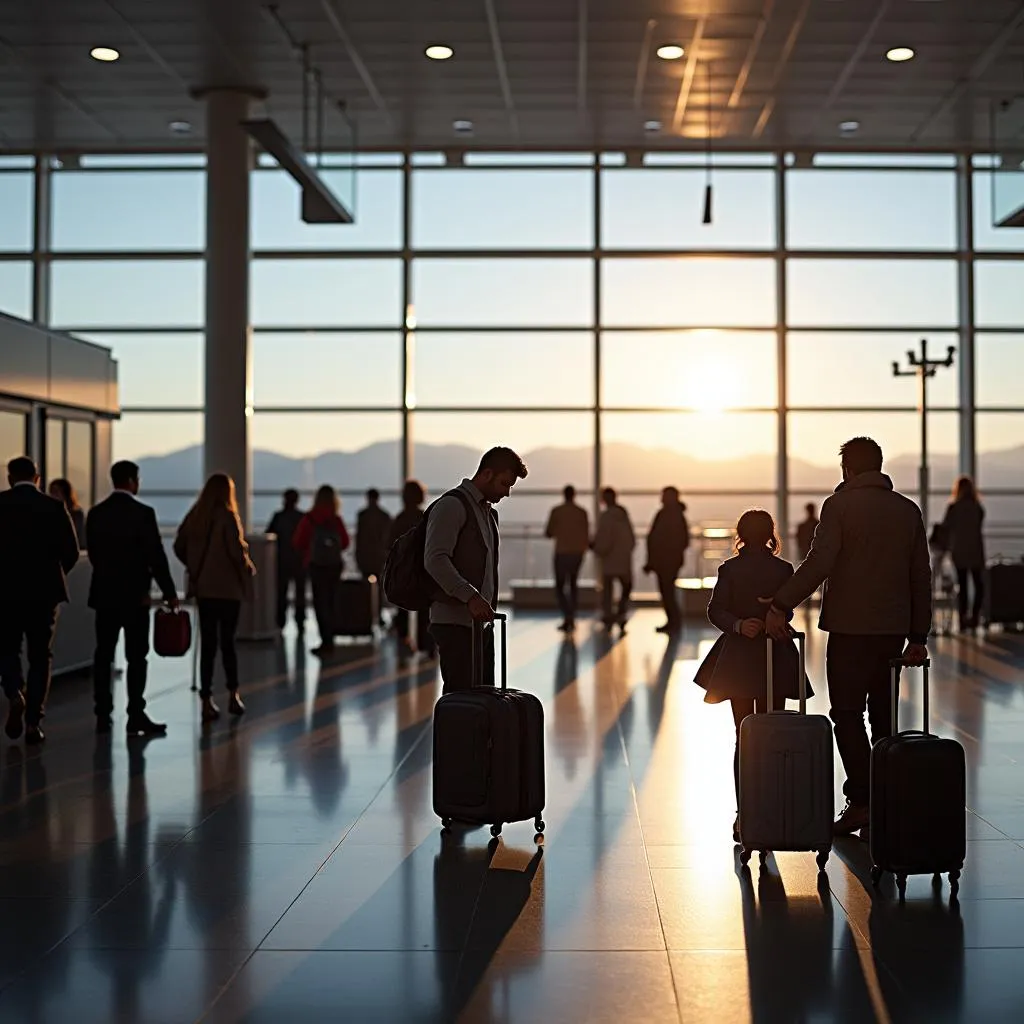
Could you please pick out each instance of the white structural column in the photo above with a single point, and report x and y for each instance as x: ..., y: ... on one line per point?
x: 228, y: 332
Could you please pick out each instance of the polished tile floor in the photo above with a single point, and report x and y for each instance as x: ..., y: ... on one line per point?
x: 289, y: 868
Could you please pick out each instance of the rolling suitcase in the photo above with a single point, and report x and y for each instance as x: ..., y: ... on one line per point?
x: 489, y: 750
x: 357, y: 608
x: 1004, y: 594
x: 786, y: 767
x: 918, y: 801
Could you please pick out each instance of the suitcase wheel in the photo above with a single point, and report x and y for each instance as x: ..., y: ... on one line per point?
x: 446, y: 823
x: 496, y: 830
x: 538, y: 824
x: 822, y: 858
x: 876, y: 876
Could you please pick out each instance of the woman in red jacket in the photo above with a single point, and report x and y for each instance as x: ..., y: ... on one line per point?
x: 321, y: 538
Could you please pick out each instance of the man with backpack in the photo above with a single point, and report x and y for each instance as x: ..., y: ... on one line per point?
x: 460, y: 557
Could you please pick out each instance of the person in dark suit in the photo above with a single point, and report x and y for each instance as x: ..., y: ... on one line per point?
x: 283, y: 524
x: 38, y: 548
x: 127, y: 554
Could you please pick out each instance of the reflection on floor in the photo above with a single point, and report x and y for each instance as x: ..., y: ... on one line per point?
x: 289, y: 868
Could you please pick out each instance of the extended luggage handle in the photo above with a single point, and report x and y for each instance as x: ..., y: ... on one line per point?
x: 802, y: 657
x: 476, y: 656
x: 895, y: 664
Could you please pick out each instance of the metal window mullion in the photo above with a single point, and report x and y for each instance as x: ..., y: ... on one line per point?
x: 781, y: 316
x: 598, y: 442
x: 966, y: 304
x: 42, y: 224
x: 408, y: 338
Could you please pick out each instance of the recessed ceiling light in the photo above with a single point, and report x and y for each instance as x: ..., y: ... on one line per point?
x: 439, y: 52
x: 849, y: 127
x: 670, y: 52
x: 463, y: 127
x: 180, y: 127
x: 104, y: 53
x: 898, y: 54
x: 652, y: 126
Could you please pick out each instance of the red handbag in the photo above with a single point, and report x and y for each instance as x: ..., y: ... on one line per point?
x: 172, y: 633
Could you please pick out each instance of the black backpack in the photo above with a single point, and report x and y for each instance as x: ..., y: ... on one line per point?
x: 325, y: 548
x: 406, y: 582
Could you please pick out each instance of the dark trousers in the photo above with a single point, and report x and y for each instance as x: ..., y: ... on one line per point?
x: 858, y: 674
x: 567, y: 578
x: 740, y: 709
x: 626, y: 585
x: 288, y: 575
x: 424, y: 640
x: 35, y: 623
x: 455, y: 650
x: 134, y: 621
x: 324, y: 582
x: 977, y: 577
x: 218, y: 623
x: 669, y: 599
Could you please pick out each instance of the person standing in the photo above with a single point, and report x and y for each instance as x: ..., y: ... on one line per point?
x: 38, y: 548
x: 62, y: 490
x: 290, y: 570
x: 613, y: 544
x: 461, y: 555
x: 373, y: 529
x: 413, y: 496
x: 667, y: 541
x: 962, y: 526
x: 569, y: 527
x: 123, y: 542
x: 321, y: 539
x: 211, y: 545
x: 871, y: 552
x: 805, y: 531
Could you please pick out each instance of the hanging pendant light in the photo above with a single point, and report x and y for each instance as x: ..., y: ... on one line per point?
x: 706, y: 218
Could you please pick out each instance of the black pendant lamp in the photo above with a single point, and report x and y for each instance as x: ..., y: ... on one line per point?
x: 706, y: 218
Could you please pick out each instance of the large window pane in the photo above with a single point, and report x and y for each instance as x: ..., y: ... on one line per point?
x: 999, y: 370
x: 700, y: 450
x: 157, y: 369
x: 53, y: 451
x: 121, y: 293
x: 986, y: 235
x: 16, y: 289
x: 79, y: 460
x: 661, y: 209
x: 167, y: 447
x: 848, y: 368
x: 142, y: 210
x: 814, y: 440
x: 481, y: 369
x: 875, y: 293
x: 703, y: 369
x: 276, y: 202
x: 326, y: 293
x: 870, y: 210
x: 351, y: 451
x: 1000, y: 445
x: 999, y: 298
x: 319, y: 368
x: 492, y: 209
x: 503, y: 292
x: 557, y: 447
x: 12, y: 434
x: 671, y: 292
x: 16, y: 207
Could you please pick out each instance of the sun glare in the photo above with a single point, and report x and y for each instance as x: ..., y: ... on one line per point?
x: 714, y: 381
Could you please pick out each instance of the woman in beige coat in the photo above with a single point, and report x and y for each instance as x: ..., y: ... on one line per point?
x: 211, y: 545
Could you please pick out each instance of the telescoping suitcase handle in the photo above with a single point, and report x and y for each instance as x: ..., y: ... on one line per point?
x: 895, y: 664
x: 477, y: 655
x: 802, y: 684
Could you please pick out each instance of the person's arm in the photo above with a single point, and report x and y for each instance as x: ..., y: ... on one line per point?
x: 447, y: 517
x: 157, y: 559
x: 91, y: 537
x: 920, y: 587
x: 67, y: 539
x: 343, y: 534
x: 652, y: 539
x: 816, y: 567
x: 302, y: 536
x: 719, y: 612
x: 272, y: 526
x: 180, y: 545
x: 238, y: 547
x: 601, y: 543
x: 549, y: 530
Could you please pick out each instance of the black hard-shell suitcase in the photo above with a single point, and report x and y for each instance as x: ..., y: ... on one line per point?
x: 1004, y: 593
x: 489, y: 750
x: 356, y: 608
x: 786, y: 777
x: 918, y: 801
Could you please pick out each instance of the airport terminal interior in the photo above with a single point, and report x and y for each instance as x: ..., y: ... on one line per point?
x: 644, y: 243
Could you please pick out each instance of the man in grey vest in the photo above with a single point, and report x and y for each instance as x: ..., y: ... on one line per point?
x: 461, y: 555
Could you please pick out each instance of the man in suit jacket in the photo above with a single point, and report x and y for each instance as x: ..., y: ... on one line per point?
x: 38, y: 548
x: 127, y: 554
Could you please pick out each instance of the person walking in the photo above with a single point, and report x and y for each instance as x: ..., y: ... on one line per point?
x: 871, y: 552
x: 461, y: 555
x: 211, y: 545
x: 667, y: 541
x: 122, y: 540
x: 569, y: 527
x: 613, y: 543
x: 962, y: 526
x: 38, y: 548
x: 321, y: 539
x: 735, y: 668
x: 805, y: 531
x: 62, y: 490
x: 413, y: 496
x: 291, y: 573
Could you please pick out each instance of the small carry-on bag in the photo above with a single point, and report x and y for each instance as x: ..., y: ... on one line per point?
x: 357, y: 608
x: 918, y: 800
x: 786, y: 769
x: 1004, y: 594
x: 172, y: 632
x: 489, y: 750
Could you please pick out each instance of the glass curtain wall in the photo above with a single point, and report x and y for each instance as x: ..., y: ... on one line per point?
x: 570, y: 305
